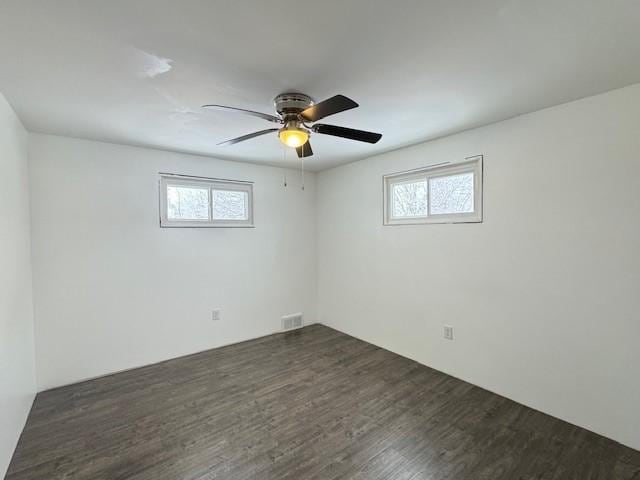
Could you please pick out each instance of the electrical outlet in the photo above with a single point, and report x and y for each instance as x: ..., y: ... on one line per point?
x: 448, y: 332
x: 215, y: 315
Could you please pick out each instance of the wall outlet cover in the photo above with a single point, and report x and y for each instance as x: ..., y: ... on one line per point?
x: 448, y: 332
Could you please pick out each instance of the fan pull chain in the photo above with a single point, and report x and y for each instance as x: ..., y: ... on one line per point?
x: 284, y: 162
x: 302, y: 159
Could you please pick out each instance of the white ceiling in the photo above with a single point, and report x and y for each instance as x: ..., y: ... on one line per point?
x: 136, y: 71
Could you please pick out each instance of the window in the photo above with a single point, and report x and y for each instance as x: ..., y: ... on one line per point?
x: 205, y: 202
x: 444, y: 193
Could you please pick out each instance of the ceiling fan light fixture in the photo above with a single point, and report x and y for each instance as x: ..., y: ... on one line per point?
x: 293, y: 136
x: 294, y: 110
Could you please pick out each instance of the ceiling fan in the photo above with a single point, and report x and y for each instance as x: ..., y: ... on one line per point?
x: 295, y: 112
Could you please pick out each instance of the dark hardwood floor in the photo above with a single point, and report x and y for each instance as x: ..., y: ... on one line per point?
x: 314, y: 404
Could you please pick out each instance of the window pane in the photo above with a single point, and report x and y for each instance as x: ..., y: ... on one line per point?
x: 187, y: 203
x: 230, y: 205
x: 451, y: 194
x: 409, y: 199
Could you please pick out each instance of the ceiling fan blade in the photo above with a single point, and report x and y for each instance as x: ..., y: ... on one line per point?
x: 248, y: 136
x: 264, y: 116
x: 332, y: 105
x: 350, y: 133
x: 305, y: 150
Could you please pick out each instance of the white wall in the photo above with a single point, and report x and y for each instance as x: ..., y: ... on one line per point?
x: 17, y: 371
x: 543, y: 295
x: 114, y: 291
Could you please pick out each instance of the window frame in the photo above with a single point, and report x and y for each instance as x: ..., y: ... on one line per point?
x: 469, y: 165
x: 211, y: 184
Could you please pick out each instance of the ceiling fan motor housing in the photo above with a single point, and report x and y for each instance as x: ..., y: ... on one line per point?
x: 292, y: 103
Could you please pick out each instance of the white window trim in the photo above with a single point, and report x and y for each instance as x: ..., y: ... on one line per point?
x: 469, y: 165
x: 211, y: 184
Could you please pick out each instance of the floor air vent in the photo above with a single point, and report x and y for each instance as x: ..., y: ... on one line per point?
x: 289, y: 322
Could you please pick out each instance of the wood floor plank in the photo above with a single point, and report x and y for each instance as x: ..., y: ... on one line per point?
x: 314, y: 404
